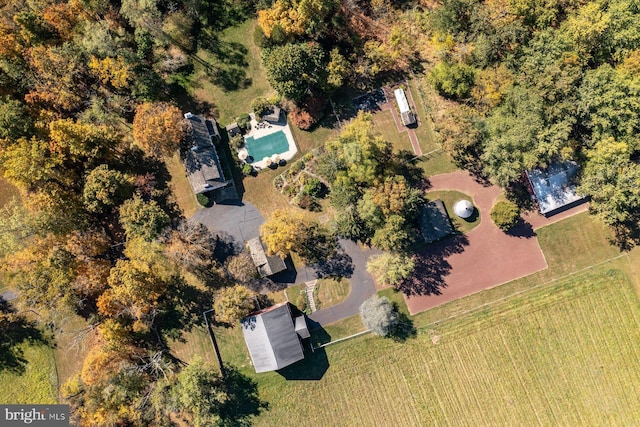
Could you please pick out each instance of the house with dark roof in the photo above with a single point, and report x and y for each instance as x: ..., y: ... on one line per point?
x: 433, y: 221
x: 201, y: 160
x: 265, y: 264
x: 555, y: 187
x: 273, y: 337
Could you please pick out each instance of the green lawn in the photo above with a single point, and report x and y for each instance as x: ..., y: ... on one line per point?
x: 424, y: 131
x: 331, y: 292
x: 241, y: 65
x: 563, y: 355
x: 384, y: 123
x: 181, y: 187
x: 38, y: 383
x: 449, y: 198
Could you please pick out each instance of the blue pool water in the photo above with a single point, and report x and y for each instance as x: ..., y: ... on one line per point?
x: 267, y: 146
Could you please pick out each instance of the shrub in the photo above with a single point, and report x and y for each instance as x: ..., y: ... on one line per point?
x: 205, y: 199
x: 237, y: 142
x: 379, y: 315
x: 244, y: 121
x: 247, y: 169
x: 305, y: 201
x: 314, y: 187
x: 260, y: 105
x: 391, y: 269
x: 505, y: 215
x: 301, y: 119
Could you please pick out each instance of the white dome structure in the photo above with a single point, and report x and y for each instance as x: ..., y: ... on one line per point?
x: 463, y: 208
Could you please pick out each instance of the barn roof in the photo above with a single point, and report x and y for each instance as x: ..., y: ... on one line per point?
x: 266, y: 265
x: 271, y: 338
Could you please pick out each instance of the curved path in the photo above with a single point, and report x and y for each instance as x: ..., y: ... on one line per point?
x: 481, y: 259
x: 362, y: 286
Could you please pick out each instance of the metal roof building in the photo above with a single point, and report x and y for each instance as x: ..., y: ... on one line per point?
x: 554, y: 187
x: 408, y: 118
x: 271, y: 338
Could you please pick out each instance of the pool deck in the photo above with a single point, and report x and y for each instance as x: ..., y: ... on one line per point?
x: 268, y: 129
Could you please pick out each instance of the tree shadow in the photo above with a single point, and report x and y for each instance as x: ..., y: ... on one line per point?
x: 404, y: 329
x: 627, y: 234
x: 431, y: 267
x: 522, y: 229
x: 183, y: 309
x: 16, y: 330
x: 340, y: 265
x: 315, y: 363
x: 243, y: 401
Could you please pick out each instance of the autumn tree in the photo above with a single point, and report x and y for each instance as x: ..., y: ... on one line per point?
x: 14, y: 119
x: 241, y: 268
x: 143, y: 219
x: 284, y: 232
x: 133, y: 294
x: 28, y: 162
x: 296, y: 18
x: 158, y: 128
x: 191, y: 245
x: 105, y: 188
x: 391, y: 268
x: 233, y: 303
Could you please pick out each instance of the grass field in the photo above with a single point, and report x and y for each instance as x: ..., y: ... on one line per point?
x: 181, y: 187
x: 247, y: 74
x: 566, y: 354
x: 449, y: 198
x: 383, y: 121
x: 38, y: 383
x: 331, y: 292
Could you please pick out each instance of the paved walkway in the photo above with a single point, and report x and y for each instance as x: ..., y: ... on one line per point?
x: 481, y: 259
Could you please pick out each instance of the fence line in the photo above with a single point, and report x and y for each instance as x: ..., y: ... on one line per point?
x: 345, y: 338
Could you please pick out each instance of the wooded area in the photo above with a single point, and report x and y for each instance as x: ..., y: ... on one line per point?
x: 91, y: 100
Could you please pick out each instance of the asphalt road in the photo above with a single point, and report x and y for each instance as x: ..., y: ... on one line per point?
x: 242, y: 220
x: 237, y: 219
x: 362, y: 286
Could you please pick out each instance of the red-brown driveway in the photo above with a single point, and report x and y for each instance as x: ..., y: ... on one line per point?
x: 483, y: 258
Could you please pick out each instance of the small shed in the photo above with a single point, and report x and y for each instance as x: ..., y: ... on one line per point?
x: 272, y: 115
x: 301, y: 327
x: 233, y: 129
x: 433, y: 221
x: 408, y: 118
x: 554, y: 187
x: 271, y: 338
x: 265, y: 264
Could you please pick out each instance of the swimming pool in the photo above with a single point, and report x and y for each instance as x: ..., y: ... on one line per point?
x: 267, y: 146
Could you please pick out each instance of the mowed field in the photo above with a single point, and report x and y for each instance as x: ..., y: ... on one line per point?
x: 563, y: 354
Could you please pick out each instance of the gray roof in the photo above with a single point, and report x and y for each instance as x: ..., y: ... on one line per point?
x: 272, y: 115
x: 266, y: 265
x: 433, y: 221
x: 301, y: 327
x: 201, y: 160
x: 555, y: 187
x: 271, y: 338
x: 233, y: 129
x: 408, y: 118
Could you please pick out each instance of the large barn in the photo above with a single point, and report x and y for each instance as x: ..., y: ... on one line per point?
x: 273, y: 337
